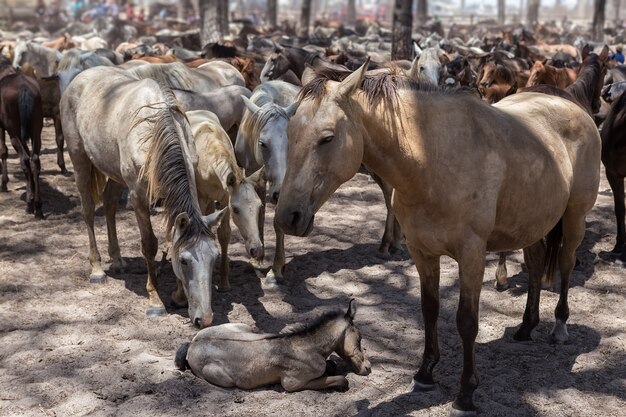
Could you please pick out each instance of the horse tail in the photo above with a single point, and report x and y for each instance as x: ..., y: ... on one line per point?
x: 26, y: 106
x: 553, y: 243
x: 98, y: 182
x: 181, y: 357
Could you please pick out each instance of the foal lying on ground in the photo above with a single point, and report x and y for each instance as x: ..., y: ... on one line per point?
x: 232, y: 355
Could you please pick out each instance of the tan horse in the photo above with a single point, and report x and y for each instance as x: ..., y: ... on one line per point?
x: 220, y: 179
x: 467, y: 178
x: 233, y: 355
x: 121, y: 131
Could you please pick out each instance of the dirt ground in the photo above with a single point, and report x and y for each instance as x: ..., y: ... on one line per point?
x: 73, y: 348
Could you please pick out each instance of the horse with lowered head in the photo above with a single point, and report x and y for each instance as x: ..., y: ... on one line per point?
x: 451, y: 197
x: 138, y: 137
x: 233, y: 355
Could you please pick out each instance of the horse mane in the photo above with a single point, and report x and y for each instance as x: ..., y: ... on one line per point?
x: 71, y: 59
x: 169, y: 173
x: 173, y: 75
x: 304, y: 329
x: 584, y: 89
x: 252, y: 123
x: 382, y: 86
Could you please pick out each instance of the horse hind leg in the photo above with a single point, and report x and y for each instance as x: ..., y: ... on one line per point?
x: 291, y: 384
x: 534, y: 257
x: 25, y: 164
x: 111, y: 195
x: 4, y: 153
x: 392, y: 236
x: 223, y: 236
x: 278, y: 266
x: 60, y: 140
x: 617, y: 186
x: 502, y: 283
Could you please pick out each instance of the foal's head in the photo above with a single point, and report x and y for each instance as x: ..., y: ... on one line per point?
x: 349, y: 345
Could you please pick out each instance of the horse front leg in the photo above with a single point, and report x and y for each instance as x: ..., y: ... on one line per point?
x: 35, y: 168
x: 471, y: 271
x: 429, y: 270
x: 534, y: 257
x: 257, y: 264
x: 4, y: 153
x: 60, y: 140
x: 291, y: 384
x: 278, y: 266
x: 617, y: 186
x: 149, y: 249
x: 223, y: 235
x: 392, y: 237
x: 112, y: 193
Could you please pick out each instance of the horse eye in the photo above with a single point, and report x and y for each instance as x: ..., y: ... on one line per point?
x: 183, y: 261
x: 422, y: 68
x: 235, y: 210
x: 327, y: 139
x: 262, y: 144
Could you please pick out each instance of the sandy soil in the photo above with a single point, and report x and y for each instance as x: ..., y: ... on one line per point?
x: 72, y: 348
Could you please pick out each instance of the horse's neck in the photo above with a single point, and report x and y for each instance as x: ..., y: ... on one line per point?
x: 297, y: 59
x: 323, y: 340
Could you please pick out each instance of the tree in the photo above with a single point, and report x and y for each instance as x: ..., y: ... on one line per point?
x: 501, y: 12
x: 532, y: 13
x: 616, y: 10
x: 402, y: 47
x: 272, y: 13
x: 422, y: 12
x: 305, y: 18
x: 598, y: 20
x: 214, y: 18
x: 351, y: 18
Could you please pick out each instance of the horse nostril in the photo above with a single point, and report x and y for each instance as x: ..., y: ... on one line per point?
x: 196, y: 321
x: 295, y: 219
x: 274, y: 198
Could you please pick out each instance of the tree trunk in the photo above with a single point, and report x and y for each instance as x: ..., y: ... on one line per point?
x: 272, y: 13
x: 532, y: 14
x: 223, y: 16
x: 351, y: 18
x: 598, y: 20
x: 305, y: 19
x: 616, y: 11
x: 501, y: 12
x: 182, y: 9
x: 422, y: 12
x: 402, y: 47
x: 211, y: 29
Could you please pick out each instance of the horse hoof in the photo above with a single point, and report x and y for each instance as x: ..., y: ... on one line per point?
x: 4, y: 188
x: 39, y: 215
x: 502, y: 287
x: 98, y: 278
x: 331, y: 368
x: 223, y: 288
x: 462, y: 413
x: 559, y: 334
x: 522, y: 336
x: 156, y: 311
x: 65, y: 172
x: 417, y: 386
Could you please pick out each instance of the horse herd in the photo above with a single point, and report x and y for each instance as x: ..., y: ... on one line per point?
x: 475, y: 150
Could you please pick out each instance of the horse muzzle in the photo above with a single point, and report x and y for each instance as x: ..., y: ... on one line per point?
x: 204, y: 320
x: 295, y: 222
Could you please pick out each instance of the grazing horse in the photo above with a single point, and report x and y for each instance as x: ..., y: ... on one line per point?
x: 44, y: 60
x: 121, y: 131
x: 21, y: 116
x: 541, y: 73
x: 219, y: 179
x: 614, y: 160
x: 262, y: 142
x: 452, y: 197
x: 233, y: 355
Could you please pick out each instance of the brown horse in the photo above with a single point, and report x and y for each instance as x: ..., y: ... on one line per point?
x: 21, y: 116
x: 496, y: 81
x: 452, y: 197
x: 614, y: 160
x: 542, y: 73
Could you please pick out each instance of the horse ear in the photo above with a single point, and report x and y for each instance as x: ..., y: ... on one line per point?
x: 352, y: 81
x: 214, y: 218
x: 257, y: 178
x: 351, y: 310
x: 291, y: 109
x: 585, y: 51
x: 278, y: 48
x: 417, y: 49
x: 604, y: 54
x: 308, y: 74
x: 181, y: 222
x: 249, y: 104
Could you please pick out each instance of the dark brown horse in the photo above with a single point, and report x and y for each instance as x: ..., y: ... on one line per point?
x: 614, y: 160
x: 285, y: 58
x: 21, y: 116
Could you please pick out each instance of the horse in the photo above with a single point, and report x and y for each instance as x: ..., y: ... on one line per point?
x: 291, y: 58
x: 44, y: 60
x: 614, y: 160
x: 61, y: 43
x: 541, y: 73
x: 426, y: 66
x: 22, y: 117
x: 122, y: 131
x: 611, y: 92
x: 225, y: 102
x: 233, y: 355
x: 496, y: 81
x: 219, y: 179
x: 262, y: 142
x: 452, y: 197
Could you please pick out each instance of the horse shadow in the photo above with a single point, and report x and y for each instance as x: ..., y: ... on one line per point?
x: 54, y: 202
x: 511, y: 372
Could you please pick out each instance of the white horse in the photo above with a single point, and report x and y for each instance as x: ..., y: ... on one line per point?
x: 44, y: 60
